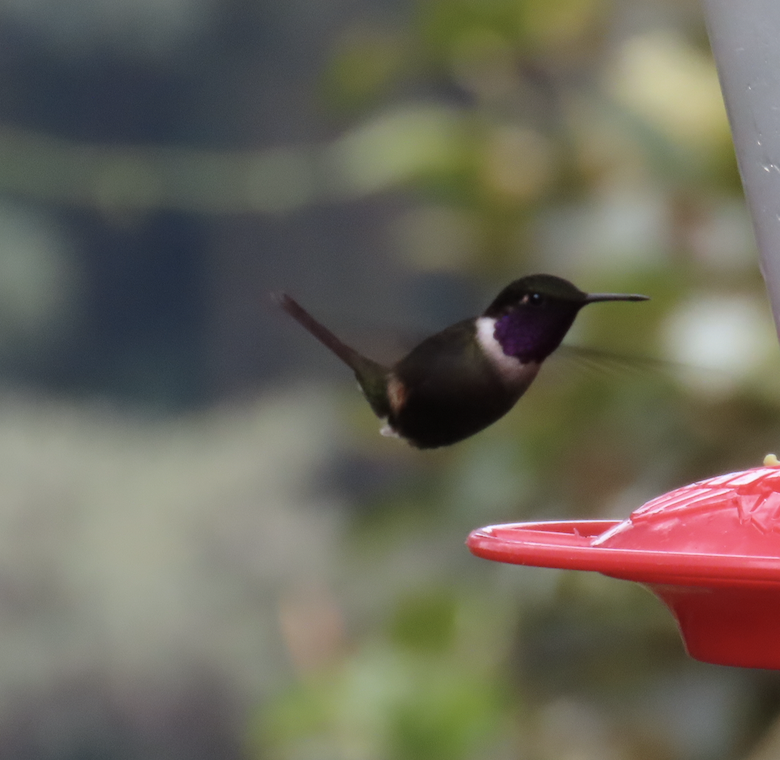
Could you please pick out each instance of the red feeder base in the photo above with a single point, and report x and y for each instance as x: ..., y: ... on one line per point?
x: 710, y: 551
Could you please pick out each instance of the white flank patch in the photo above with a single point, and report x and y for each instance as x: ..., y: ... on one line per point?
x: 510, y: 367
x: 388, y: 431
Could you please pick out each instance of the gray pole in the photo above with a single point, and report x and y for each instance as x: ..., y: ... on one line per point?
x: 745, y: 38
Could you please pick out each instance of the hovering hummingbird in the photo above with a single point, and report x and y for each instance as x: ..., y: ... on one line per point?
x: 466, y: 377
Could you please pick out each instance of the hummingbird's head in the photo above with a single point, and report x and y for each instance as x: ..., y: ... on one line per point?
x: 533, y: 314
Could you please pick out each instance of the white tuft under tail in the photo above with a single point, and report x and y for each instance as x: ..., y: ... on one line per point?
x: 388, y: 431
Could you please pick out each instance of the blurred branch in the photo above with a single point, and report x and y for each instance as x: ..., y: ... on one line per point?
x: 49, y: 168
x: 768, y: 747
x: 391, y: 148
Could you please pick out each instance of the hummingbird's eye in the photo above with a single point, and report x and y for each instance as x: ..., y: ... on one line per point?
x: 533, y: 299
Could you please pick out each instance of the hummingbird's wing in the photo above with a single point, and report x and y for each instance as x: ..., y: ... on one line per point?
x: 605, y: 361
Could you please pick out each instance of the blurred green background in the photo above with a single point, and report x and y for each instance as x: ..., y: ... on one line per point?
x: 206, y: 549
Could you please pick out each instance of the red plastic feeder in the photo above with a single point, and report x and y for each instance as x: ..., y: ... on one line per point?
x: 710, y: 551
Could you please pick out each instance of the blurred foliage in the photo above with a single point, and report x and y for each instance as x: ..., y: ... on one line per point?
x: 570, y: 137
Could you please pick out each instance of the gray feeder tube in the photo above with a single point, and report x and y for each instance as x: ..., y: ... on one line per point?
x: 745, y: 38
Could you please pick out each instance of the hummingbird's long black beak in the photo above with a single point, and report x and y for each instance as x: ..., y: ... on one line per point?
x: 595, y: 297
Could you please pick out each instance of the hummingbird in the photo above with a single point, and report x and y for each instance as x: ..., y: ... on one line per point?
x: 466, y: 377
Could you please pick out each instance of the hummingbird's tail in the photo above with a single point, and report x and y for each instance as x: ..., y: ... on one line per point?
x: 320, y: 332
x: 371, y: 375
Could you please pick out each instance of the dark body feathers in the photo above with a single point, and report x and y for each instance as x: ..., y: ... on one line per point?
x: 453, y: 390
